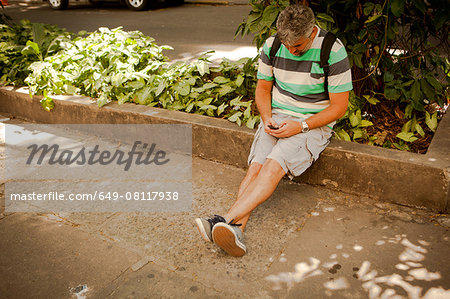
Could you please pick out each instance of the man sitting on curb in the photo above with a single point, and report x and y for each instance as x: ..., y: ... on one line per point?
x: 297, y: 116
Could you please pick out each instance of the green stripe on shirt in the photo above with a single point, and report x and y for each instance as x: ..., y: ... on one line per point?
x: 310, y: 55
x: 340, y: 88
x: 335, y: 57
x: 295, y: 109
x: 301, y: 89
x: 264, y: 77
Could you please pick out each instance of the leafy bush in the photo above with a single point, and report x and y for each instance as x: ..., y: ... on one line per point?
x: 130, y: 67
x: 398, y: 50
x: 23, y: 44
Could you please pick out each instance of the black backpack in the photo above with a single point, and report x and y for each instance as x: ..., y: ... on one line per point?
x: 325, y: 50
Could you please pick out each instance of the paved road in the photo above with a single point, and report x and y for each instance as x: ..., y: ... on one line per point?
x: 189, y: 28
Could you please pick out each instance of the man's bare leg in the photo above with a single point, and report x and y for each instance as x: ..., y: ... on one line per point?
x: 257, y: 191
x: 252, y: 173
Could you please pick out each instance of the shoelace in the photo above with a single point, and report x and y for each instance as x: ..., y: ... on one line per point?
x: 234, y: 224
x: 217, y: 218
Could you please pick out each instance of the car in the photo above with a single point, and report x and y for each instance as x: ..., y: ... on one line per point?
x: 132, y: 4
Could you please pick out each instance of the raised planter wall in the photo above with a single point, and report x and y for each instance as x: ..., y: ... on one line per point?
x: 383, y: 174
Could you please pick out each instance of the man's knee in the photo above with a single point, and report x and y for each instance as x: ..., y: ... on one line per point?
x: 273, y: 168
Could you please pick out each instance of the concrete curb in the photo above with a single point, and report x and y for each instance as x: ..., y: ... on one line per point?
x: 389, y: 175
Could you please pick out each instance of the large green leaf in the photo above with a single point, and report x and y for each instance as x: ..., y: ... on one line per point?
x: 392, y: 93
x: 239, y: 80
x: 407, y: 136
x: 161, y: 87
x: 202, y: 67
x: 254, y: 21
x: 47, y: 103
x: 31, y: 48
x: 368, y: 8
x: 373, y: 18
x: 357, y: 60
x: 388, y: 77
x: 325, y: 17
x: 251, y: 122
x: 365, y: 123
x: 183, y: 88
x: 223, y: 90
x: 435, y: 83
x: 355, y: 118
x: 431, y: 121
x: 221, y: 80
x: 235, y: 117
x: 343, y: 135
x: 270, y: 15
x: 38, y: 34
x: 419, y: 130
x: 358, y: 133
x: 416, y: 93
x: 397, y: 7
x: 371, y: 100
x: 221, y: 109
x: 428, y: 90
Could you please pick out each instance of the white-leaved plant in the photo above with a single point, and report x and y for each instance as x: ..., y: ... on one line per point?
x: 125, y: 67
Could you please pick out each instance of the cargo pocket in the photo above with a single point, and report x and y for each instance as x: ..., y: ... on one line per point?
x: 318, y: 141
x: 299, y: 159
x: 255, y: 140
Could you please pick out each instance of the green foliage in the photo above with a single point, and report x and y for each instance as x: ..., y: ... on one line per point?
x: 262, y: 19
x: 398, y: 50
x: 129, y: 67
x: 23, y: 44
x: 107, y: 65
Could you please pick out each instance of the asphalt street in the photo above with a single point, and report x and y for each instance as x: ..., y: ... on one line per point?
x: 190, y: 29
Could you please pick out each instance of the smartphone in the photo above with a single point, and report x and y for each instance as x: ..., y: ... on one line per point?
x: 273, y: 128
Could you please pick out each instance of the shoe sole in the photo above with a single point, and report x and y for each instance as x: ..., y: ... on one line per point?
x: 201, y: 230
x: 228, y: 241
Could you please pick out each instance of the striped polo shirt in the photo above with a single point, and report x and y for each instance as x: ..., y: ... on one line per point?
x: 299, y: 80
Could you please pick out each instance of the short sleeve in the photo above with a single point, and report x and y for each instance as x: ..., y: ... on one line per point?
x: 340, y: 76
x: 265, y: 71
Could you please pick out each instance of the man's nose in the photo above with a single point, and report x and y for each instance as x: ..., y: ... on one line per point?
x: 292, y: 50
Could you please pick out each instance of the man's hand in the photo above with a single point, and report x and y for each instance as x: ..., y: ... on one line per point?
x: 270, y: 126
x: 287, y: 128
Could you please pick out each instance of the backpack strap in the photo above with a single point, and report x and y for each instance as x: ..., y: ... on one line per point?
x: 325, y: 50
x: 274, y: 49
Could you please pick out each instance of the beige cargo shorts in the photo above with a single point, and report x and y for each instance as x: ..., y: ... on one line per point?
x: 296, y: 153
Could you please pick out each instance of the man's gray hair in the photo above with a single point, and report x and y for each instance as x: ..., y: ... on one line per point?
x: 295, y: 22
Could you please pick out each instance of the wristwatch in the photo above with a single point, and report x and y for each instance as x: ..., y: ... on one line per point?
x: 305, y: 127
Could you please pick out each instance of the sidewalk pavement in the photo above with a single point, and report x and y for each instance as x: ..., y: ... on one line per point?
x: 304, y: 242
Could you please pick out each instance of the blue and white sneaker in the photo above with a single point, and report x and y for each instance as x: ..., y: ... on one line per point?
x: 230, y: 238
x: 205, y: 226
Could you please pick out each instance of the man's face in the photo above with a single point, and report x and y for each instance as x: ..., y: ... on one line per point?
x: 301, y: 46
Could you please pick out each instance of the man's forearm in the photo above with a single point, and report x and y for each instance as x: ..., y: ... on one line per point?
x: 263, y: 102
x: 324, y: 117
x: 263, y: 99
x: 336, y: 110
